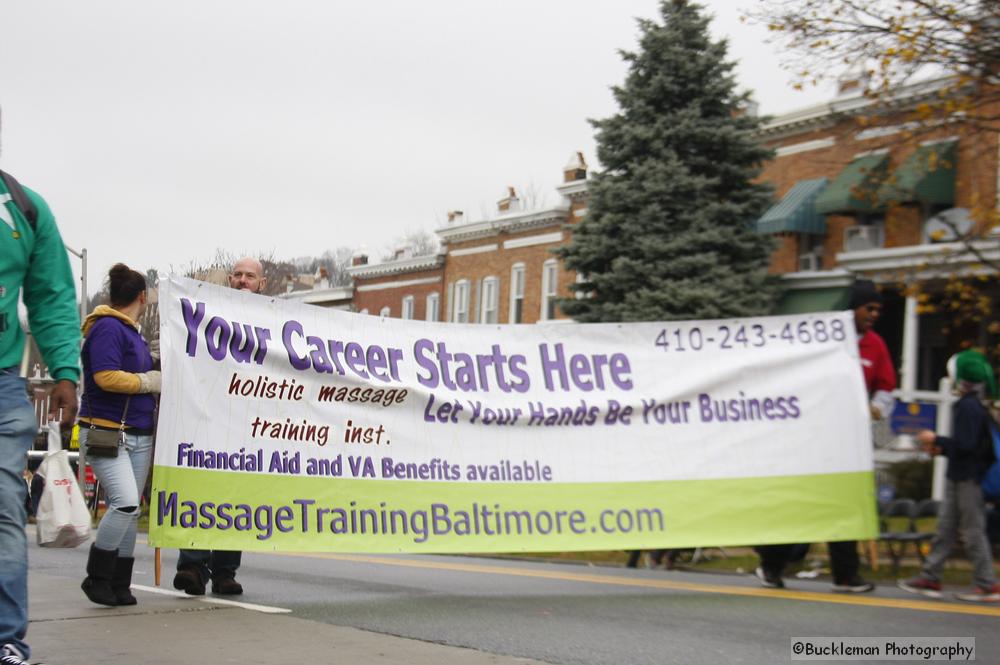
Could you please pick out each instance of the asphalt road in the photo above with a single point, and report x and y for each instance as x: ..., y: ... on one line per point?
x: 568, y: 613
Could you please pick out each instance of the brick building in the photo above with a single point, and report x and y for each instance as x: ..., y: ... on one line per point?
x: 498, y: 270
x: 406, y: 287
x: 864, y: 194
x: 852, y: 198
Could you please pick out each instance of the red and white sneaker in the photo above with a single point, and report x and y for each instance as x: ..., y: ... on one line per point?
x: 921, y: 585
x: 981, y: 595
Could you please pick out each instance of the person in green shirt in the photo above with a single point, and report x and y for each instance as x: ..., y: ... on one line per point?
x: 34, y: 266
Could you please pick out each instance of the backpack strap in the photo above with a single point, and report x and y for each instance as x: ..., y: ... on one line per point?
x: 21, y: 200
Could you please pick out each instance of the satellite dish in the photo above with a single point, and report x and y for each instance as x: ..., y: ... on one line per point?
x: 948, y: 225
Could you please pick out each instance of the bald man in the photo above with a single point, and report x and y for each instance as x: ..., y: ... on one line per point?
x: 196, y: 567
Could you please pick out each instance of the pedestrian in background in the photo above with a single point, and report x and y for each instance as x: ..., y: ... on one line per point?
x: 880, y: 381
x: 119, y: 388
x: 970, y: 453
x: 196, y: 567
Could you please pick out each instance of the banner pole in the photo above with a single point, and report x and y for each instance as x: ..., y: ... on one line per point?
x: 156, y: 566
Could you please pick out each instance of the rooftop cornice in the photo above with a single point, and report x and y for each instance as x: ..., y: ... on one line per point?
x: 396, y: 267
x: 573, y: 189
x: 516, y: 221
x: 826, y: 114
x: 320, y: 295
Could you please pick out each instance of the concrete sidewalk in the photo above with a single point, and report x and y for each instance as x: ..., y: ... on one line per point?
x: 164, y: 629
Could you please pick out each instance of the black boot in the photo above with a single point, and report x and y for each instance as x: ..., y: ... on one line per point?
x: 226, y: 585
x: 100, y: 568
x: 122, y: 580
x: 188, y: 579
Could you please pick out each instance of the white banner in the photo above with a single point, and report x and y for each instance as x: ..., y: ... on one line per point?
x: 257, y: 387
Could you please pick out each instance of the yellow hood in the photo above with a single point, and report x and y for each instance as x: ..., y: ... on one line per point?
x: 104, y: 310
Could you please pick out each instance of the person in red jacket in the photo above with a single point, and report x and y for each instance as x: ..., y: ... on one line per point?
x: 880, y: 376
x: 880, y: 381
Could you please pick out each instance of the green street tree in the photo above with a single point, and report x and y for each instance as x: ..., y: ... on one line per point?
x: 669, y: 232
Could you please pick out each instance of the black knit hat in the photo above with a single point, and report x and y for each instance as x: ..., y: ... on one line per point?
x: 863, y: 292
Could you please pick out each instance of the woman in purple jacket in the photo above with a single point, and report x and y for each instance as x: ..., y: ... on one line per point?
x: 119, y: 382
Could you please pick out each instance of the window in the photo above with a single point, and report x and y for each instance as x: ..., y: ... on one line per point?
x: 810, y: 252
x: 433, y: 307
x: 461, y: 301
x: 516, y: 293
x: 868, y: 233
x: 489, y: 299
x: 408, y: 307
x: 385, y: 311
x: 549, y: 286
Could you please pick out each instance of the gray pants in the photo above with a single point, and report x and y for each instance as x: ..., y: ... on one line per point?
x: 962, y: 516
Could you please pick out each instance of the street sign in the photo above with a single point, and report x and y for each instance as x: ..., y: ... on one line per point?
x: 911, y: 417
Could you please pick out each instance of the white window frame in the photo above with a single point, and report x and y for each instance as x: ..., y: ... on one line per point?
x: 408, y: 307
x: 433, y: 307
x: 462, y: 290
x: 490, y: 300
x: 518, y: 277
x: 385, y: 311
x: 550, y: 285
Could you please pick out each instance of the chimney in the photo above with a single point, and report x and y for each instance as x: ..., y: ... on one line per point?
x: 456, y: 217
x: 575, y: 169
x: 509, y: 204
x: 324, y: 279
x: 359, y: 260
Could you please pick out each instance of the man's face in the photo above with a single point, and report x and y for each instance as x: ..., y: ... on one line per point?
x: 866, y: 316
x: 246, y: 276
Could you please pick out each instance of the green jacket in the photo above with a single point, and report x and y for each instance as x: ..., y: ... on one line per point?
x: 37, y: 262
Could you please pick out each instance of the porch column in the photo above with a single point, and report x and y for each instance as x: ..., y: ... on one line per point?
x: 908, y: 368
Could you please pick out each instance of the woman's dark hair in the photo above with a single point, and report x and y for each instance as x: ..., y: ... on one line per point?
x: 124, y: 285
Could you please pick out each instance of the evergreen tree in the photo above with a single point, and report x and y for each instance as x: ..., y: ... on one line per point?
x: 669, y: 232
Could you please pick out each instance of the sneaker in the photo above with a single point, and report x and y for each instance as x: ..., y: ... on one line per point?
x: 11, y: 655
x: 769, y: 579
x: 189, y: 581
x: 921, y: 585
x: 978, y: 595
x: 226, y: 586
x: 854, y: 585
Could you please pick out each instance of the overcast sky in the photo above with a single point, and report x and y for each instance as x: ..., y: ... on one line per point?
x: 160, y: 131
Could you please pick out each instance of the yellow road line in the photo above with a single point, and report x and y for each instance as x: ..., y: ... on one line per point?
x: 614, y: 580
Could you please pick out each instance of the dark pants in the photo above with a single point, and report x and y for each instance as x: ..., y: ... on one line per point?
x: 211, y: 564
x: 844, y: 561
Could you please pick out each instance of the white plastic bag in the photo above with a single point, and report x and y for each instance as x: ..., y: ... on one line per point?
x: 62, y: 518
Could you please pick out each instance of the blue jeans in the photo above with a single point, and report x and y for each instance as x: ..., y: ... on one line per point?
x: 211, y: 564
x: 17, y: 430
x: 123, y: 479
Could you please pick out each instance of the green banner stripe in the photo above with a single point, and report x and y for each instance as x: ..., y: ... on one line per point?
x: 295, y: 513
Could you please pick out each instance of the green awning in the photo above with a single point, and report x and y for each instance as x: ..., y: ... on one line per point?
x: 855, y: 188
x: 795, y: 213
x: 927, y: 176
x: 804, y: 301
